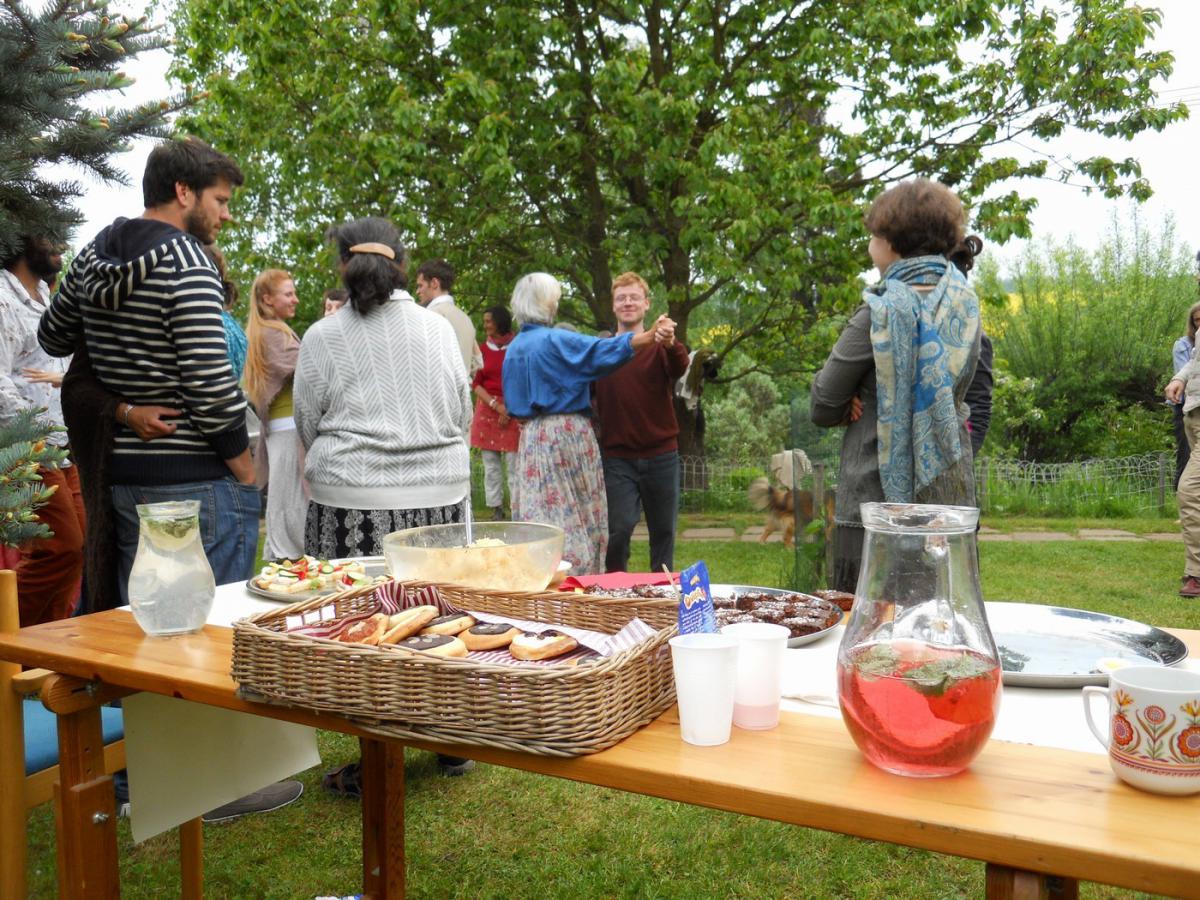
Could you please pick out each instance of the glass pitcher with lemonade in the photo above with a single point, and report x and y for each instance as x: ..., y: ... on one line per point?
x: 918, y: 671
x: 171, y: 585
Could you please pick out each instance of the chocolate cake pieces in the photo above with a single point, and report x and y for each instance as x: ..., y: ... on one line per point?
x: 800, y: 614
x: 841, y: 598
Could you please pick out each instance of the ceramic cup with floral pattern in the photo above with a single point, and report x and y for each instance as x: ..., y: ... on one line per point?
x: 1153, y: 736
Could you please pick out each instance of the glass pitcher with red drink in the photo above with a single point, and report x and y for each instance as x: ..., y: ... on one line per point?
x: 918, y: 671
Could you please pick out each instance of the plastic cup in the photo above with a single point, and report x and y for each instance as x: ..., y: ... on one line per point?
x: 705, y: 668
x: 759, y: 673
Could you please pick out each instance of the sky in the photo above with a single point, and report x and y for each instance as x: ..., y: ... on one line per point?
x: 1063, y: 212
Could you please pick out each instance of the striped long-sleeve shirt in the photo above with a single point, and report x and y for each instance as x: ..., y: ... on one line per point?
x: 147, y: 301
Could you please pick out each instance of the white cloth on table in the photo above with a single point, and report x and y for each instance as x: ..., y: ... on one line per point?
x: 187, y: 758
x: 1044, y: 717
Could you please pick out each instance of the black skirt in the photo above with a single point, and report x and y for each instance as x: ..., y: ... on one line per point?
x: 331, y: 532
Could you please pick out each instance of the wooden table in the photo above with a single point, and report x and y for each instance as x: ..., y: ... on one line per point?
x: 1028, y: 812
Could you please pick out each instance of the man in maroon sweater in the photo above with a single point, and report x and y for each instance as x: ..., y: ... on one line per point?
x: 639, y: 435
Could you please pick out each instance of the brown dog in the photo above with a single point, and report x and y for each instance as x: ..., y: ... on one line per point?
x: 780, y: 504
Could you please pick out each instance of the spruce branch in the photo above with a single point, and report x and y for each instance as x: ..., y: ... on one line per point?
x: 24, y: 451
x: 54, y: 61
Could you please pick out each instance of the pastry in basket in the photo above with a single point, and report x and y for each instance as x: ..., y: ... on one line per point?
x: 451, y: 624
x: 368, y: 631
x: 309, y: 574
x: 434, y: 645
x: 408, y: 622
x: 489, y: 635
x: 546, y: 645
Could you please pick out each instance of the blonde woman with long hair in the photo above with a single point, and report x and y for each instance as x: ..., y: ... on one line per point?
x: 270, y: 367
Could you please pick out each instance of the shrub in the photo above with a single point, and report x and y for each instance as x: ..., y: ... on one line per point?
x: 748, y: 421
x: 1087, y: 339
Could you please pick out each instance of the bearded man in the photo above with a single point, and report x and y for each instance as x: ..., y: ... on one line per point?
x: 48, y: 569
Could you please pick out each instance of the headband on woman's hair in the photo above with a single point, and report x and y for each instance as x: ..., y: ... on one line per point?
x: 376, y: 248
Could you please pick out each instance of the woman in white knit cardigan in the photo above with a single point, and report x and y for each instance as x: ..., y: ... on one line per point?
x: 382, y: 405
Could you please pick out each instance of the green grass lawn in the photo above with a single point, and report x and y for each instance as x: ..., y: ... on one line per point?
x: 503, y: 833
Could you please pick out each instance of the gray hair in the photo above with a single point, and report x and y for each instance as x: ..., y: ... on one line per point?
x: 535, y: 298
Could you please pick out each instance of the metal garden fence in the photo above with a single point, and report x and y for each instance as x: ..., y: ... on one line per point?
x: 1125, y: 486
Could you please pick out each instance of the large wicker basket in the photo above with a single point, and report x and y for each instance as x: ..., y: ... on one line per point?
x: 551, y: 710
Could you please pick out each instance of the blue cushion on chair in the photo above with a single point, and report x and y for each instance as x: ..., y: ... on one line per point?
x: 41, y: 734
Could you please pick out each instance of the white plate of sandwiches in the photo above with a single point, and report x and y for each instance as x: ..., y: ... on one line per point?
x: 301, y: 579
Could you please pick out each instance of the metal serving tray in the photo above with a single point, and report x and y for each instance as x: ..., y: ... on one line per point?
x: 1051, y: 646
x: 729, y: 590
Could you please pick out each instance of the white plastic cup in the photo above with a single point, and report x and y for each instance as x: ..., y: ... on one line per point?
x: 759, y: 673
x: 705, y: 667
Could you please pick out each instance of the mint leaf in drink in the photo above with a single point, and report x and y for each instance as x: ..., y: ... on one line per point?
x: 934, y: 678
x: 175, y: 528
x: 879, y: 661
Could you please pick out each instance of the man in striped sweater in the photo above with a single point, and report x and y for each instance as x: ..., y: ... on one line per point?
x: 146, y: 300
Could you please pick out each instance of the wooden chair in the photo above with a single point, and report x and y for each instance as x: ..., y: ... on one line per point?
x: 29, y: 749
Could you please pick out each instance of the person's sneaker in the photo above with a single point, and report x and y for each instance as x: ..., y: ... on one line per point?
x: 272, y: 797
x: 453, y: 766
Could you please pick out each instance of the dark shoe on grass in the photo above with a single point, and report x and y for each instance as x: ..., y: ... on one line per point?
x: 453, y: 766
x: 498, y: 514
x: 1191, y: 586
x: 272, y: 797
x: 345, y: 781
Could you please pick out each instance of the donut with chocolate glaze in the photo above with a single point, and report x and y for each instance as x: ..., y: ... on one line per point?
x: 489, y: 635
x: 434, y: 645
x: 451, y: 624
x: 548, y: 644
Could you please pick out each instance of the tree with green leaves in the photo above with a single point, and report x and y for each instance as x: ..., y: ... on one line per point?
x: 58, y: 61
x: 724, y: 150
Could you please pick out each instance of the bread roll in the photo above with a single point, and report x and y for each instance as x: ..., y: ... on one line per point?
x: 451, y: 624
x: 489, y: 635
x: 408, y: 622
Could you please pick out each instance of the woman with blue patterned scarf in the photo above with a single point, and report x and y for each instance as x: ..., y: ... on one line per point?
x: 897, y: 375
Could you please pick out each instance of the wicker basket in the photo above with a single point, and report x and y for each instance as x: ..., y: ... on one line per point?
x: 552, y: 710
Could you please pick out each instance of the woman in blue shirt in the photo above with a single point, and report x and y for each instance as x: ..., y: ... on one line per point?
x: 1181, y: 353
x: 547, y: 378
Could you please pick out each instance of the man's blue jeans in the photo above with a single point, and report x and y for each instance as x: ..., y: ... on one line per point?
x: 631, y: 484
x: 228, y: 523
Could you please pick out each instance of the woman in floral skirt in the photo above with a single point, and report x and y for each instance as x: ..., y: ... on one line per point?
x: 547, y: 376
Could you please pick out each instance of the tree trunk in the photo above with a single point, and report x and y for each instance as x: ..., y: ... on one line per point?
x: 693, y: 464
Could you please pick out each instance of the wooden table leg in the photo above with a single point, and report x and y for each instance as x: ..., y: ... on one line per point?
x: 1004, y: 883
x: 191, y: 859
x: 383, y: 819
x: 85, y: 810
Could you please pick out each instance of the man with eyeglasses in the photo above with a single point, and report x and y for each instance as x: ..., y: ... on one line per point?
x: 639, y: 434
